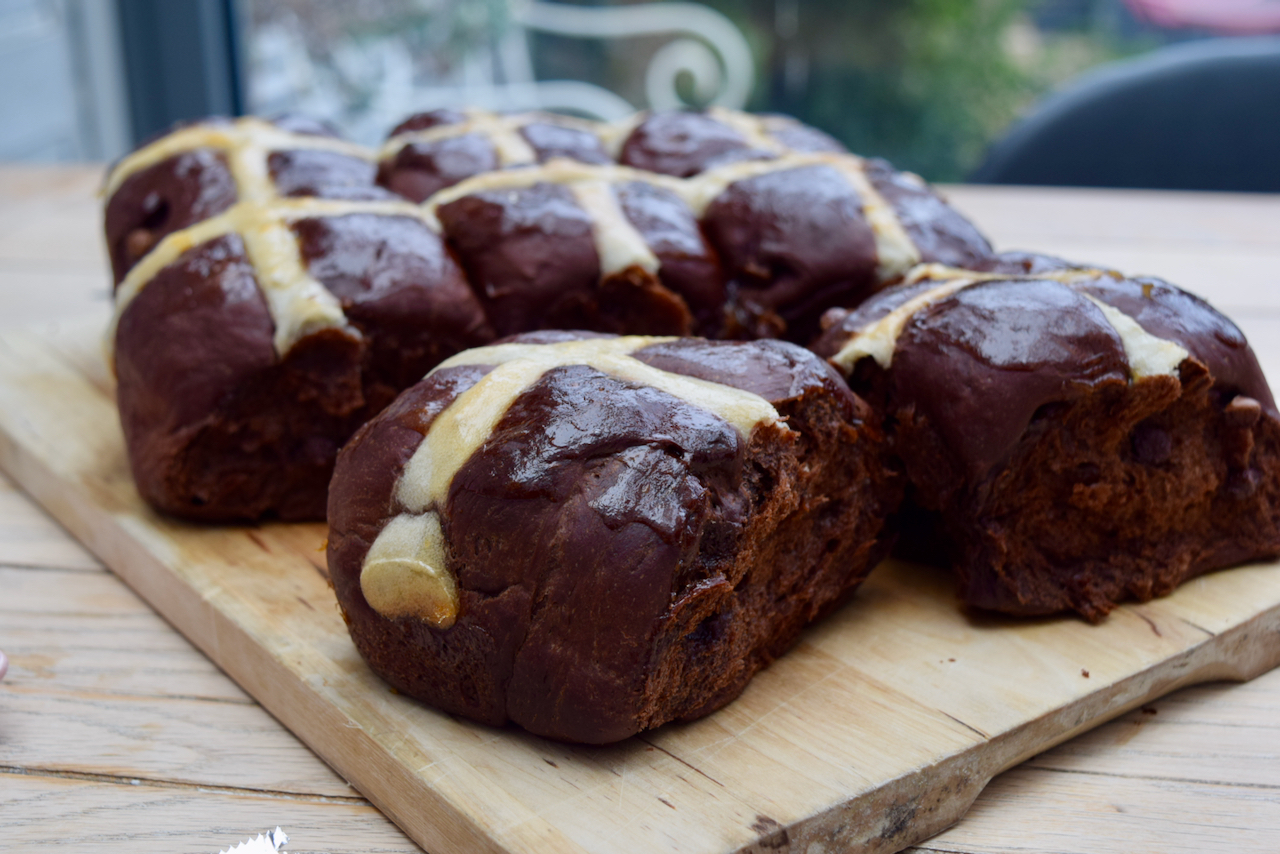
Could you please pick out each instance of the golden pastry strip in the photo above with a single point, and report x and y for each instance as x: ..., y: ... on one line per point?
x: 297, y: 302
x: 1147, y: 354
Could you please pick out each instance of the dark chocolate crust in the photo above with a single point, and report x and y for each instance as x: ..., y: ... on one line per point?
x: 419, y: 169
x: 624, y: 558
x: 530, y: 254
x: 428, y: 120
x: 1056, y: 481
x: 162, y: 199
x: 531, y: 257
x: 794, y: 243
x: 684, y: 143
x: 549, y: 139
x: 308, y: 172
x: 218, y: 426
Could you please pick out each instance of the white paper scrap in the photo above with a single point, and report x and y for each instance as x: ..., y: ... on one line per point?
x: 268, y: 844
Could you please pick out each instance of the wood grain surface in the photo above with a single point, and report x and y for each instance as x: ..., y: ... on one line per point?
x: 108, y: 716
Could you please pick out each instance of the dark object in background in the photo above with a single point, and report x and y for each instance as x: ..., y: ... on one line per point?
x: 1199, y: 116
x: 182, y: 61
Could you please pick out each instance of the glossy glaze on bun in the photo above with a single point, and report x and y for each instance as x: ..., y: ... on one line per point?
x: 793, y: 223
x: 1075, y: 437
x: 641, y: 525
x: 275, y: 305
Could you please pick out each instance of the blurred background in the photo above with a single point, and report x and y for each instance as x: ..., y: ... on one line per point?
x: 929, y: 84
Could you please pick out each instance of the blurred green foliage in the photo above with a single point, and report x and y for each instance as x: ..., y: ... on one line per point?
x: 928, y: 84
x: 925, y: 83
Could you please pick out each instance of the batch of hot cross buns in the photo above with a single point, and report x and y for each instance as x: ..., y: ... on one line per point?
x: 602, y: 415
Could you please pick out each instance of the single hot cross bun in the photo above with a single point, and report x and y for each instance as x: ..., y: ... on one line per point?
x: 1077, y: 437
x: 684, y: 143
x: 800, y: 233
x: 567, y: 245
x: 431, y: 151
x: 257, y: 331
x: 590, y: 535
x: 199, y: 170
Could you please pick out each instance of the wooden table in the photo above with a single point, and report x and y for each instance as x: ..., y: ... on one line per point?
x: 116, y: 734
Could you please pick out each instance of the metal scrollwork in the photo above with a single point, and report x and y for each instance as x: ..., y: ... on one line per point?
x: 708, y: 47
x: 367, y: 84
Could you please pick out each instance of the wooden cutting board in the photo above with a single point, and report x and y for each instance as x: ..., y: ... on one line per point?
x: 876, y: 732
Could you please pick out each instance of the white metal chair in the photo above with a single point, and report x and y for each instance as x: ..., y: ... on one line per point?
x: 498, y: 74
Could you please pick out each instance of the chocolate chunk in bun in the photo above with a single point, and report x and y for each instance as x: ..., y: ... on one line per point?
x: 432, y: 151
x: 569, y: 245
x: 1081, y: 438
x: 250, y: 344
x: 592, y: 536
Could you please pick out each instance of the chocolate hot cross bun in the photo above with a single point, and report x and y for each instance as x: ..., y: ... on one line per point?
x: 255, y: 334
x: 567, y: 245
x: 431, y: 151
x: 199, y: 170
x: 1077, y: 437
x: 684, y: 143
x: 800, y: 233
x: 590, y: 536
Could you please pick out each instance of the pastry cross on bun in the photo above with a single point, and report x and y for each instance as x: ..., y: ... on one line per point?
x: 796, y: 222
x: 199, y: 170
x: 1077, y: 437
x: 569, y: 245
x: 430, y: 151
x: 250, y: 342
x: 591, y: 536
